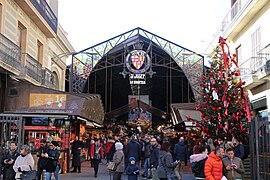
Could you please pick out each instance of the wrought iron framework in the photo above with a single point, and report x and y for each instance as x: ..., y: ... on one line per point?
x: 87, y: 61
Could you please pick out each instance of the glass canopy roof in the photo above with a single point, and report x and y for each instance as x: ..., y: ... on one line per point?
x: 84, y: 61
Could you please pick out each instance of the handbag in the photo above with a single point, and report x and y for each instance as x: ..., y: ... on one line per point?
x: 29, y: 175
x: 111, y: 166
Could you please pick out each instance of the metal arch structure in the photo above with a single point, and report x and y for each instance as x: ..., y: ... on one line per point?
x: 84, y: 62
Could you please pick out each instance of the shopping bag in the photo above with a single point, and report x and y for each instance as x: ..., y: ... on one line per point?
x: 111, y: 166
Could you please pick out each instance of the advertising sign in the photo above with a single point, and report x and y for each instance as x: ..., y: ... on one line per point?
x: 47, y: 101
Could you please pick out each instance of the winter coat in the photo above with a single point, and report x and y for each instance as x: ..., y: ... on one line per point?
x: 96, y: 151
x: 147, y: 151
x: 76, y: 152
x: 109, y: 144
x: 166, y: 164
x: 24, y: 164
x: 112, y: 151
x: 239, y: 151
x: 234, y: 173
x: 199, y: 160
x: 154, y: 156
x: 132, y: 171
x: 42, y: 161
x: 180, y: 150
x: 134, y: 150
x: 119, y: 160
x: 53, y: 160
x: 8, y: 172
x: 213, y: 167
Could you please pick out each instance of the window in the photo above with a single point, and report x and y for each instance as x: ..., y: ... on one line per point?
x: 54, y: 80
x: 255, y: 48
x: 39, y: 52
x: 21, y: 37
x: 239, y: 54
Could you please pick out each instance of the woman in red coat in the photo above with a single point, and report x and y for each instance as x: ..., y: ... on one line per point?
x: 109, y: 144
x: 96, y: 154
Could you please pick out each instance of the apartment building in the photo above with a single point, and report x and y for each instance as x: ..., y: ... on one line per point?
x: 32, y: 43
x: 246, y: 28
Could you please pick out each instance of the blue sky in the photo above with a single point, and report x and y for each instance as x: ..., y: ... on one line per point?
x: 189, y: 23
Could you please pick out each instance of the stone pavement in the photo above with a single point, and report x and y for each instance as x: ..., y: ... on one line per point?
x: 103, y: 174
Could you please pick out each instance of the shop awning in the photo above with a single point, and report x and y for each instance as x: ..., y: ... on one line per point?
x: 180, y: 112
x: 40, y: 100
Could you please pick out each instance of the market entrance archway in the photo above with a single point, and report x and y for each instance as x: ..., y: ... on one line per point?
x: 174, y: 74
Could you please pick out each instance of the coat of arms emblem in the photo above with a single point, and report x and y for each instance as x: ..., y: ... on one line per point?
x: 137, y: 58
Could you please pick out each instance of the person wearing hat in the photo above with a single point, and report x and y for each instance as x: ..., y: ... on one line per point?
x: 132, y: 169
x: 53, y: 165
x: 43, y: 151
x: 119, y: 160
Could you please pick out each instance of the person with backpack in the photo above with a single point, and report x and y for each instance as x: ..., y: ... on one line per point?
x: 197, y: 162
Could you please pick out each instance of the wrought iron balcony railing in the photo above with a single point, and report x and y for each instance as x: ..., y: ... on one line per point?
x: 32, y: 67
x: 46, y: 12
x: 48, y: 78
x: 238, y: 7
x: 252, y: 65
x: 259, y: 65
x: 10, y: 53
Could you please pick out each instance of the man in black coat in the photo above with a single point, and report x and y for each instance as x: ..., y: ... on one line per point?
x: 147, y: 154
x: 181, y: 153
x: 8, y: 161
x: 154, y: 157
x: 77, y: 146
x: 43, y: 150
x: 134, y: 150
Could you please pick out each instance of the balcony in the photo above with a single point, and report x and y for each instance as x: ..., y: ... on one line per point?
x: 41, y: 13
x: 32, y: 69
x: 48, y: 79
x: 241, y: 13
x: 10, y: 55
x: 256, y: 70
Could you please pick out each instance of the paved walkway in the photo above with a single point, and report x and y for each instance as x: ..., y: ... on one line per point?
x: 103, y: 174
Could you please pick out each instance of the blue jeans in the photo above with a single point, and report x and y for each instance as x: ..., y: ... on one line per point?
x: 56, y: 174
x: 147, y: 166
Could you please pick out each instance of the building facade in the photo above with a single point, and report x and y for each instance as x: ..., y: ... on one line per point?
x: 33, y: 44
x: 246, y: 28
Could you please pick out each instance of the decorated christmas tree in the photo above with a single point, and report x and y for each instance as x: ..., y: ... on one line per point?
x: 224, y: 106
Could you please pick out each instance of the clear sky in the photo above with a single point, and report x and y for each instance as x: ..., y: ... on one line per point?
x: 189, y: 23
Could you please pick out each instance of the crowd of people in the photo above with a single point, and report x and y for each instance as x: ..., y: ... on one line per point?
x: 157, y: 157
x: 17, y: 162
x: 152, y: 157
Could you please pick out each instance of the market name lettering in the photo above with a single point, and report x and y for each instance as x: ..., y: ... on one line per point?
x: 137, y: 79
